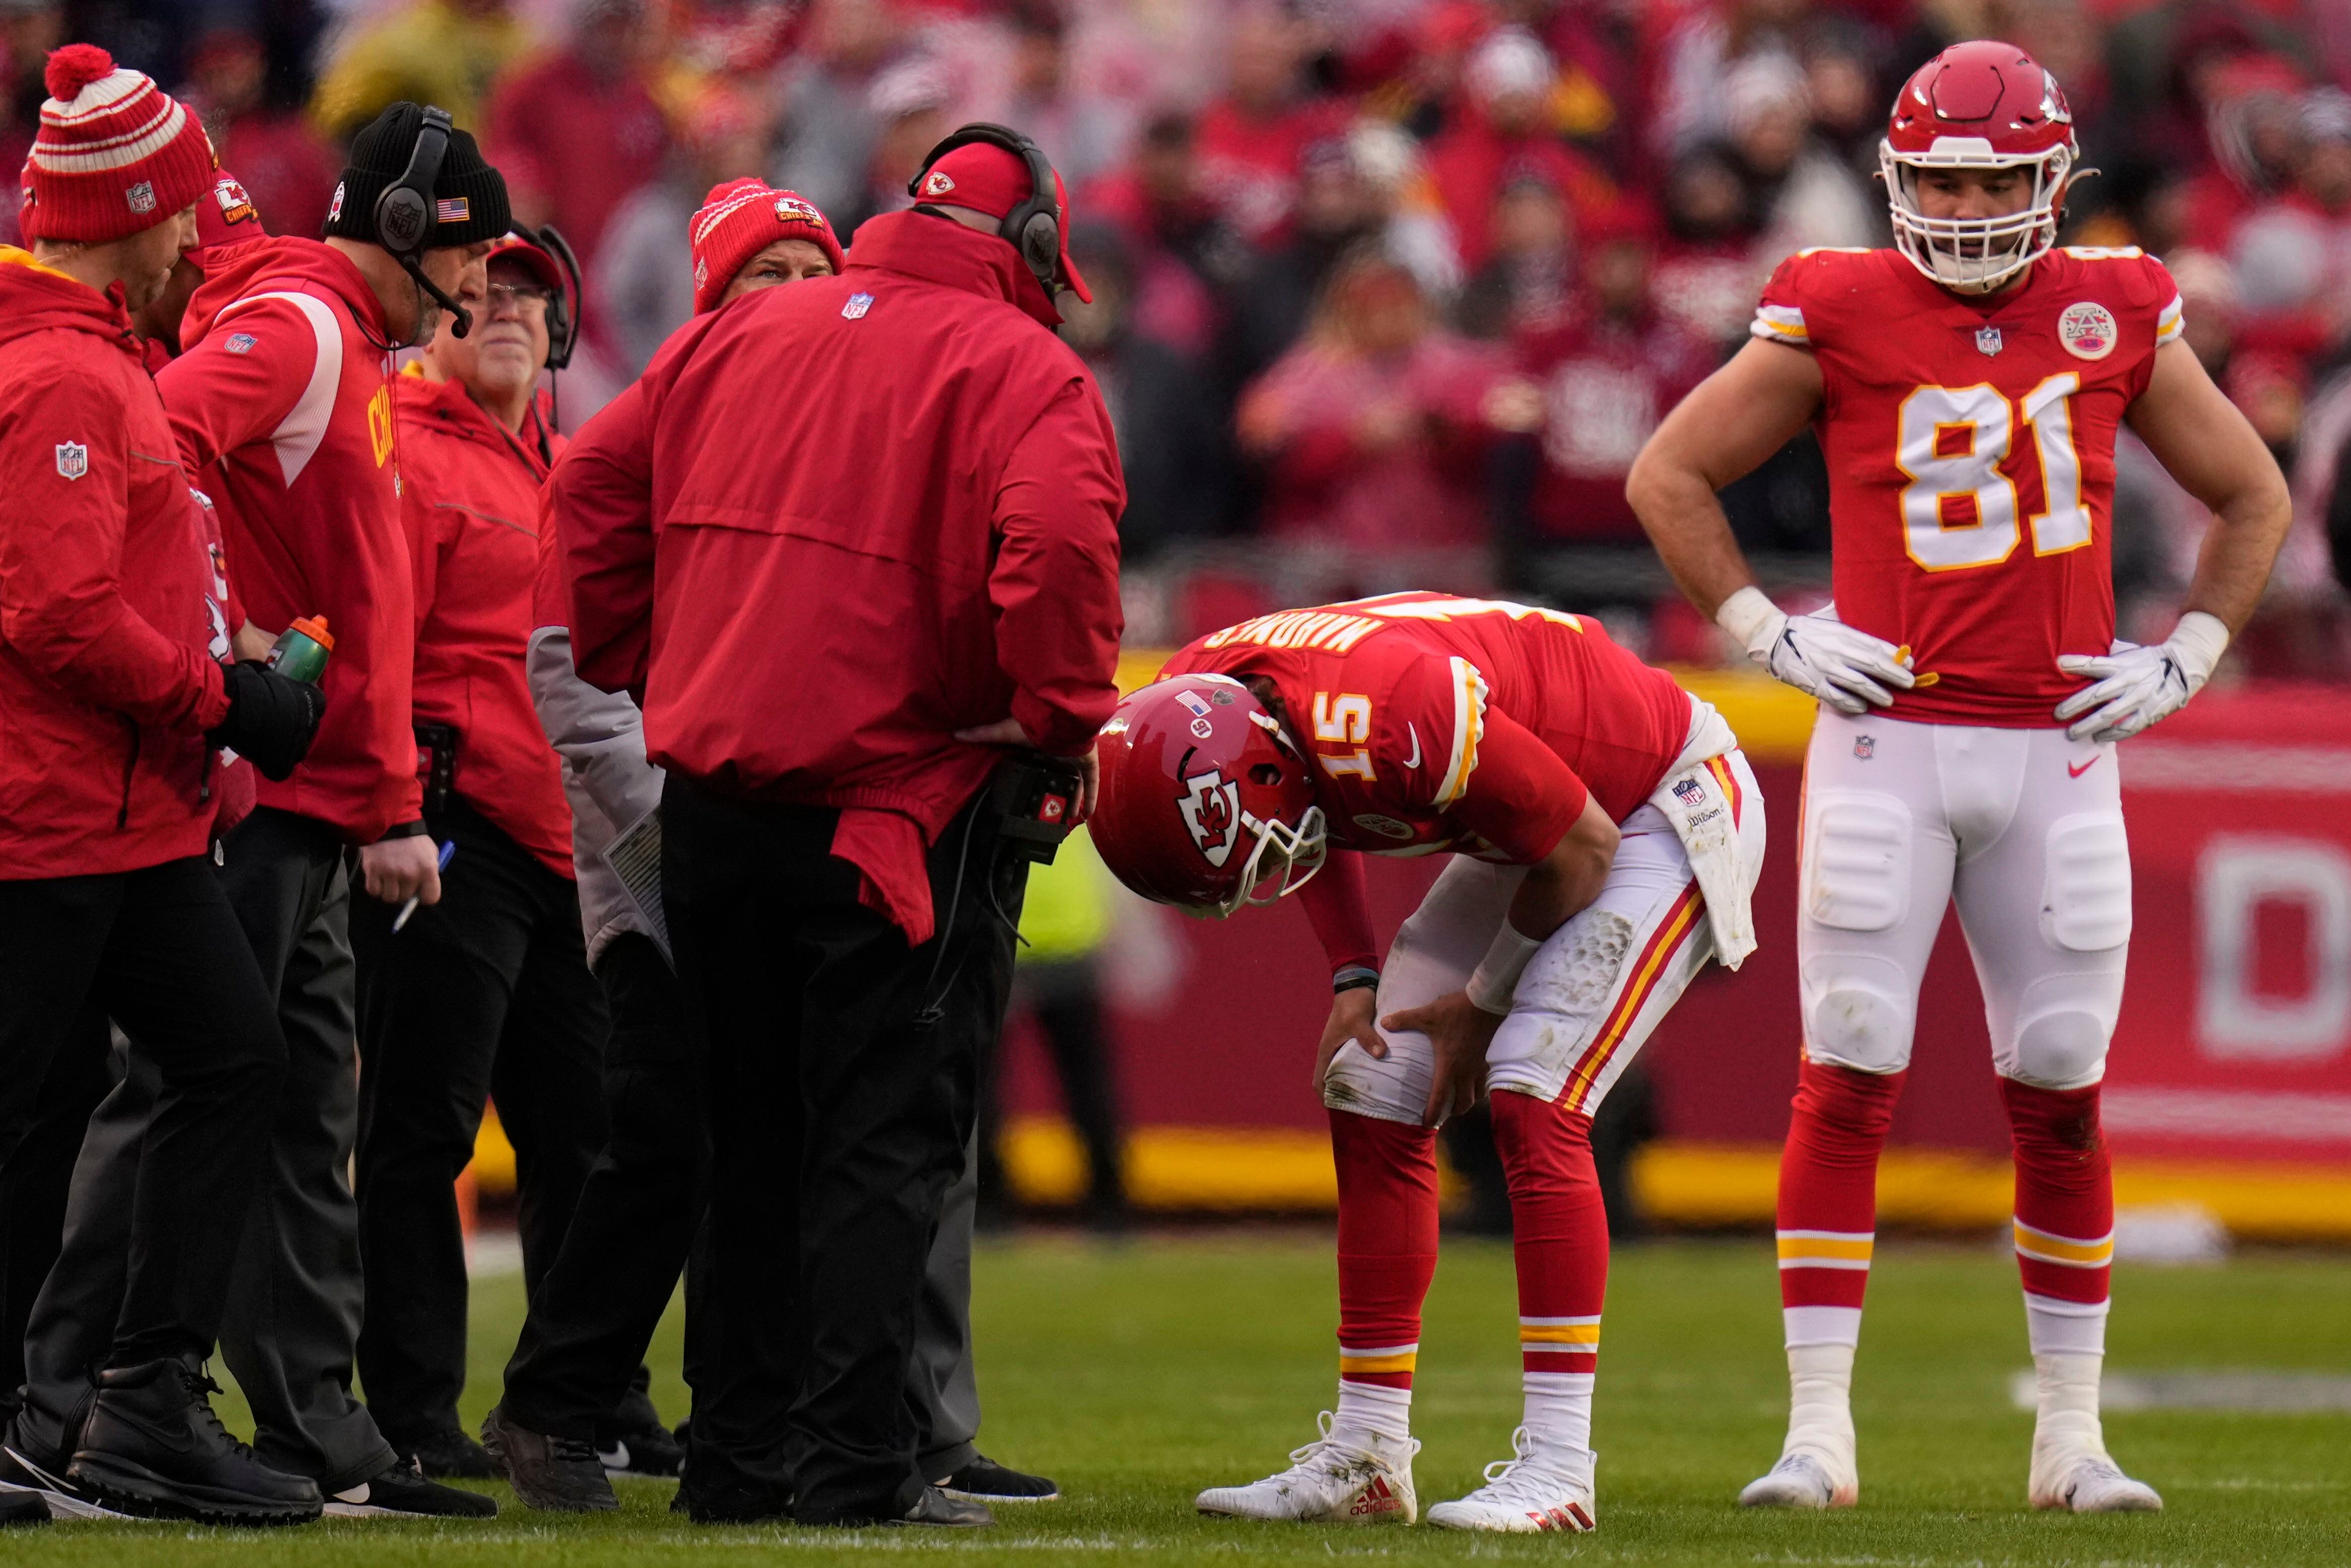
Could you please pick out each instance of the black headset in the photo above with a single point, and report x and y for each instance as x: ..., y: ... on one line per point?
x: 404, y: 214
x: 1034, y: 227
x: 563, y: 323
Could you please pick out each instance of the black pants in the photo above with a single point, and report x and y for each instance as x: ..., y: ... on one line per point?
x: 35, y: 1180
x: 841, y: 1096
x: 159, y: 950
x: 594, y: 1311
x: 484, y: 993
x: 1064, y: 996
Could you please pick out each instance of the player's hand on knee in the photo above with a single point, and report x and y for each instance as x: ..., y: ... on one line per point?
x: 1351, y: 1020
x: 2136, y: 686
x: 1845, y: 667
x: 1460, y: 1032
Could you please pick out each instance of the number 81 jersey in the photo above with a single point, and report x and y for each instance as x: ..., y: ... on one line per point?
x: 1970, y: 450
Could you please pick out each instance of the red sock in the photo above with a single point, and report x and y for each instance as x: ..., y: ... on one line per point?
x: 1387, y: 1244
x: 2065, y: 1198
x: 1828, y: 1198
x: 1561, y: 1228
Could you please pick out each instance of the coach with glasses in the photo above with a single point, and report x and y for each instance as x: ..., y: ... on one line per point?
x: 836, y: 626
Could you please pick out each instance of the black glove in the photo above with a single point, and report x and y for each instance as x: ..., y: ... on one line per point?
x: 270, y: 718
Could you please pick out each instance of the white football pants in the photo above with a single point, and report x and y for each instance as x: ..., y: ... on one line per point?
x: 1589, y: 999
x: 2024, y: 829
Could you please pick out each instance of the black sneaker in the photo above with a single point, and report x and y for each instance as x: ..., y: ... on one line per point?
x: 401, y: 1490
x: 154, y: 1449
x: 449, y: 1456
x: 648, y: 1451
x: 560, y: 1475
x: 985, y: 1480
x: 43, y: 1481
x: 935, y: 1507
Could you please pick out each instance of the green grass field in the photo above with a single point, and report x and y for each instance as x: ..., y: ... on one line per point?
x: 1138, y: 1373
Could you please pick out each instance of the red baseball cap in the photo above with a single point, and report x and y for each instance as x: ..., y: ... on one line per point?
x: 994, y: 180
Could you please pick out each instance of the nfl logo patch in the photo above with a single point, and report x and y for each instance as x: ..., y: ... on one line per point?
x: 142, y: 196
x: 1987, y: 341
x: 858, y: 305
x: 1864, y: 746
x: 1689, y: 791
x: 73, y: 459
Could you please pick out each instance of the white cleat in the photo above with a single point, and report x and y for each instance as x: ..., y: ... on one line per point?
x: 1327, y: 1482
x: 2088, y: 1483
x: 1804, y: 1477
x: 1545, y: 1489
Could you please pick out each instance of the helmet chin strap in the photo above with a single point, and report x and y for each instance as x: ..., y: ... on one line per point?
x: 426, y: 286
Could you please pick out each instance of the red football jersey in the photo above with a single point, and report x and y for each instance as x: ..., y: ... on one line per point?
x: 1971, y: 447
x: 1458, y: 724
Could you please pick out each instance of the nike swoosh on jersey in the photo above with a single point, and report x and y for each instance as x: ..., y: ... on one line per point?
x: 1414, y: 760
x: 2073, y: 772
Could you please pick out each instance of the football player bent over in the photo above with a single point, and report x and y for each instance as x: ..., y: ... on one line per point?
x: 1605, y: 835
x: 1967, y: 387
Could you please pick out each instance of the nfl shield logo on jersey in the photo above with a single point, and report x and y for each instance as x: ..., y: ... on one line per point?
x: 1987, y: 341
x: 1689, y: 791
x: 1864, y: 746
x: 859, y: 304
x: 73, y: 459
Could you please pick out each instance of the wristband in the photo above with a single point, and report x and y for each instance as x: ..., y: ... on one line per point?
x: 415, y: 830
x: 1747, y: 615
x: 1490, y: 989
x: 1356, y: 978
x: 2196, y: 643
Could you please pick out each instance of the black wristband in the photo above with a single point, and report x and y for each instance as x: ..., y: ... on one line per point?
x: 1356, y: 978
x: 415, y: 830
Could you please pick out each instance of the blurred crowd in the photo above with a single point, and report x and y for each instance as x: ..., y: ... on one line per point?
x: 1388, y: 292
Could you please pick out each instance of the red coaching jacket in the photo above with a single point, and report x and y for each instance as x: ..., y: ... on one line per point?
x: 282, y: 408
x: 110, y: 629
x: 836, y: 522
x: 469, y: 502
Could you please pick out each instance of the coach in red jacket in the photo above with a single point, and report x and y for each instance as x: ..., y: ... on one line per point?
x: 831, y: 600
x: 113, y: 696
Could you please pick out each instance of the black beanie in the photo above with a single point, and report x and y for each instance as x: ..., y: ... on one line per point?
x: 469, y: 197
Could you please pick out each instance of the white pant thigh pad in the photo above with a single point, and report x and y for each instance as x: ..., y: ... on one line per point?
x: 1593, y: 992
x: 1435, y: 952
x: 1856, y: 870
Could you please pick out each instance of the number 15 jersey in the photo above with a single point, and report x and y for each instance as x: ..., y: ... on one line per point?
x: 1970, y: 449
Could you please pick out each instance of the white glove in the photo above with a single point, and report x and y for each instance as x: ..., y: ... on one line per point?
x: 1816, y: 653
x: 2135, y: 686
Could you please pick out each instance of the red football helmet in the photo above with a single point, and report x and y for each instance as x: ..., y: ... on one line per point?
x: 1205, y: 803
x: 1980, y: 105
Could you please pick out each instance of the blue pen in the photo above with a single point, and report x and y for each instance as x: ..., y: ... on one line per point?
x: 448, y: 853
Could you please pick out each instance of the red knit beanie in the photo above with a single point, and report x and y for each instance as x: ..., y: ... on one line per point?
x: 740, y: 219
x: 114, y: 154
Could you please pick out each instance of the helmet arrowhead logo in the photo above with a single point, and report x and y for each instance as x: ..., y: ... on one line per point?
x: 1211, y: 808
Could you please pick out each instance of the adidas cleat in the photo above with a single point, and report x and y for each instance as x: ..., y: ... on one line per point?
x: 1327, y: 1482
x: 2088, y: 1483
x: 1546, y: 1489
x: 1803, y: 1477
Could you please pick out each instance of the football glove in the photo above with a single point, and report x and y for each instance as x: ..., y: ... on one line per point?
x: 2136, y: 686
x: 1847, y: 669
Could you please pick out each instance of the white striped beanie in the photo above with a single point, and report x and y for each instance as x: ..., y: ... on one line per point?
x: 115, y: 154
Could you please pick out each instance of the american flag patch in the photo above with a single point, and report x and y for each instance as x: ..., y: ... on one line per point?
x: 451, y: 210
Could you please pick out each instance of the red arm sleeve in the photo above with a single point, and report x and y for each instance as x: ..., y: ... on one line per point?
x: 1341, y: 913
x: 61, y: 604
x: 219, y: 400
x: 1055, y: 581
x: 600, y: 501
x: 1522, y: 797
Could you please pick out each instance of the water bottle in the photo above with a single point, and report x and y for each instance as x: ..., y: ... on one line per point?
x: 301, y: 653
